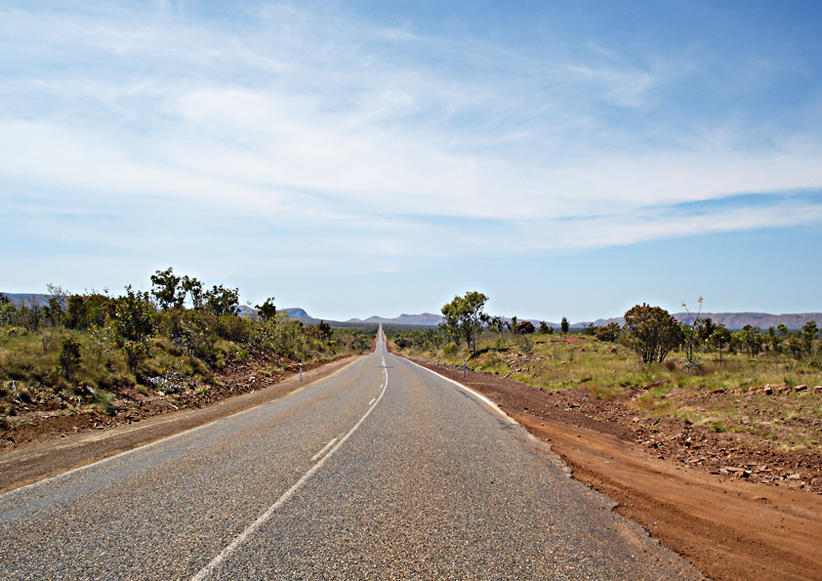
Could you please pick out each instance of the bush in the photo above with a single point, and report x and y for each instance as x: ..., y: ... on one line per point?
x: 652, y: 332
x: 85, y: 311
x: 134, y: 315
x: 69, y: 358
x: 609, y: 332
x: 233, y: 328
x: 134, y: 353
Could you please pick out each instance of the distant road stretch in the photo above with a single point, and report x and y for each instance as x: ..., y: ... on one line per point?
x: 383, y: 470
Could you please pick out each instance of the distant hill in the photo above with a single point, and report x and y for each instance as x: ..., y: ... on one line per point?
x: 739, y: 320
x: 730, y: 320
x: 297, y: 313
x: 27, y: 298
x: 422, y: 319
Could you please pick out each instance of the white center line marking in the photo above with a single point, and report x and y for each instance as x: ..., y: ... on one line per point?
x: 372, y: 401
x: 327, y: 446
x: 263, y: 518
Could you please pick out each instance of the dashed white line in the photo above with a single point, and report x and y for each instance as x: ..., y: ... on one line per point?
x: 142, y: 447
x: 327, y: 446
x: 372, y: 401
x: 263, y: 518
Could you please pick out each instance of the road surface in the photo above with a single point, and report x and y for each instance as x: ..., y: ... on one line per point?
x: 383, y: 470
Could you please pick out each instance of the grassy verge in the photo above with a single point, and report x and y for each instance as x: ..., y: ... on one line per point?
x: 723, y: 397
x: 55, y: 371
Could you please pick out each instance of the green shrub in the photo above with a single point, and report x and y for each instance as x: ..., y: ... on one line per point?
x: 134, y: 353
x: 104, y: 400
x: 69, y: 359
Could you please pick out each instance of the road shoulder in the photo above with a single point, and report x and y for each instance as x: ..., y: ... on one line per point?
x: 33, y: 462
x: 729, y: 529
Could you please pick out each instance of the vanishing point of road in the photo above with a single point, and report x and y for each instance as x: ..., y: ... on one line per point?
x: 383, y: 470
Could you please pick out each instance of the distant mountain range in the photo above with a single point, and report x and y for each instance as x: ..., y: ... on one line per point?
x: 423, y: 319
x: 739, y: 320
x: 730, y: 320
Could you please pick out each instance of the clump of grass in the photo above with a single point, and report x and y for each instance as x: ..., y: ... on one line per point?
x: 607, y: 392
x: 104, y: 400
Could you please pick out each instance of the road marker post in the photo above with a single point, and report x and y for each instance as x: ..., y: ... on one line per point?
x: 301, y: 371
x: 463, y: 368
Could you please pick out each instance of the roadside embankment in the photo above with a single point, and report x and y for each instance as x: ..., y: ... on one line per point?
x: 32, y: 462
x: 729, y: 528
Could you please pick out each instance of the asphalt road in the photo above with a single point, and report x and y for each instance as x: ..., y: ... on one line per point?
x: 383, y: 470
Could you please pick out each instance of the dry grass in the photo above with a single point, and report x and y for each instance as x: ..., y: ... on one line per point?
x: 722, y: 397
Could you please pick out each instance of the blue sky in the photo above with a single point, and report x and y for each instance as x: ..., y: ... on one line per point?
x: 355, y: 157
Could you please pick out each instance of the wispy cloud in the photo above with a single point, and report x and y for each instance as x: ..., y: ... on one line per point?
x: 390, y: 142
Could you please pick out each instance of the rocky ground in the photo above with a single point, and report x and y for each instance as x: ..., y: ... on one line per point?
x: 42, y: 420
x: 734, y: 454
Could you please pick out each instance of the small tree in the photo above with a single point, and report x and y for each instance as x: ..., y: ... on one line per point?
x: 496, y: 324
x: 809, y: 333
x: 222, y: 301
x: 751, y: 338
x: 55, y: 310
x: 463, y: 318
x: 8, y: 310
x: 693, y: 330
x: 194, y: 288
x: 324, y: 330
x: 512, y: 324
x: 720, y: 337
x: 89, y: 310
x: 165, y: 288
x: 652, y: 332
x: 524, y: 328
x: 564, y: 326
x: 101, y: 340
x: 134, y: 315
x: 69, y: 358
x: 267, y: 310
x: 134, y: 353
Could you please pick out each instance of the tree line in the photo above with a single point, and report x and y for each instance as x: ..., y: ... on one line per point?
x: 79, y: 343
x: 651, y: 331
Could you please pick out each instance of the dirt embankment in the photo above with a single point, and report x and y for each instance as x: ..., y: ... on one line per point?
x: 50, y: 444
x: 50, y: 418
x: 728, y: 526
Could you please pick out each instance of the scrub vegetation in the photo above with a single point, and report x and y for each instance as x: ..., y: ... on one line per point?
x: 101, y: 354
x: 746, y: 384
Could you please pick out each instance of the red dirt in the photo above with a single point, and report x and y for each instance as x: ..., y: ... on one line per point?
x: 54, y: 418
x: 729, y: 527
x: 48, y: 446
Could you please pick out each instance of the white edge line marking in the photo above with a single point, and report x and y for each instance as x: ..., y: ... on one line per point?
x: 327, y: 446
x: 84, y: 467
x: 263, y: 518
x: 476, y: 394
